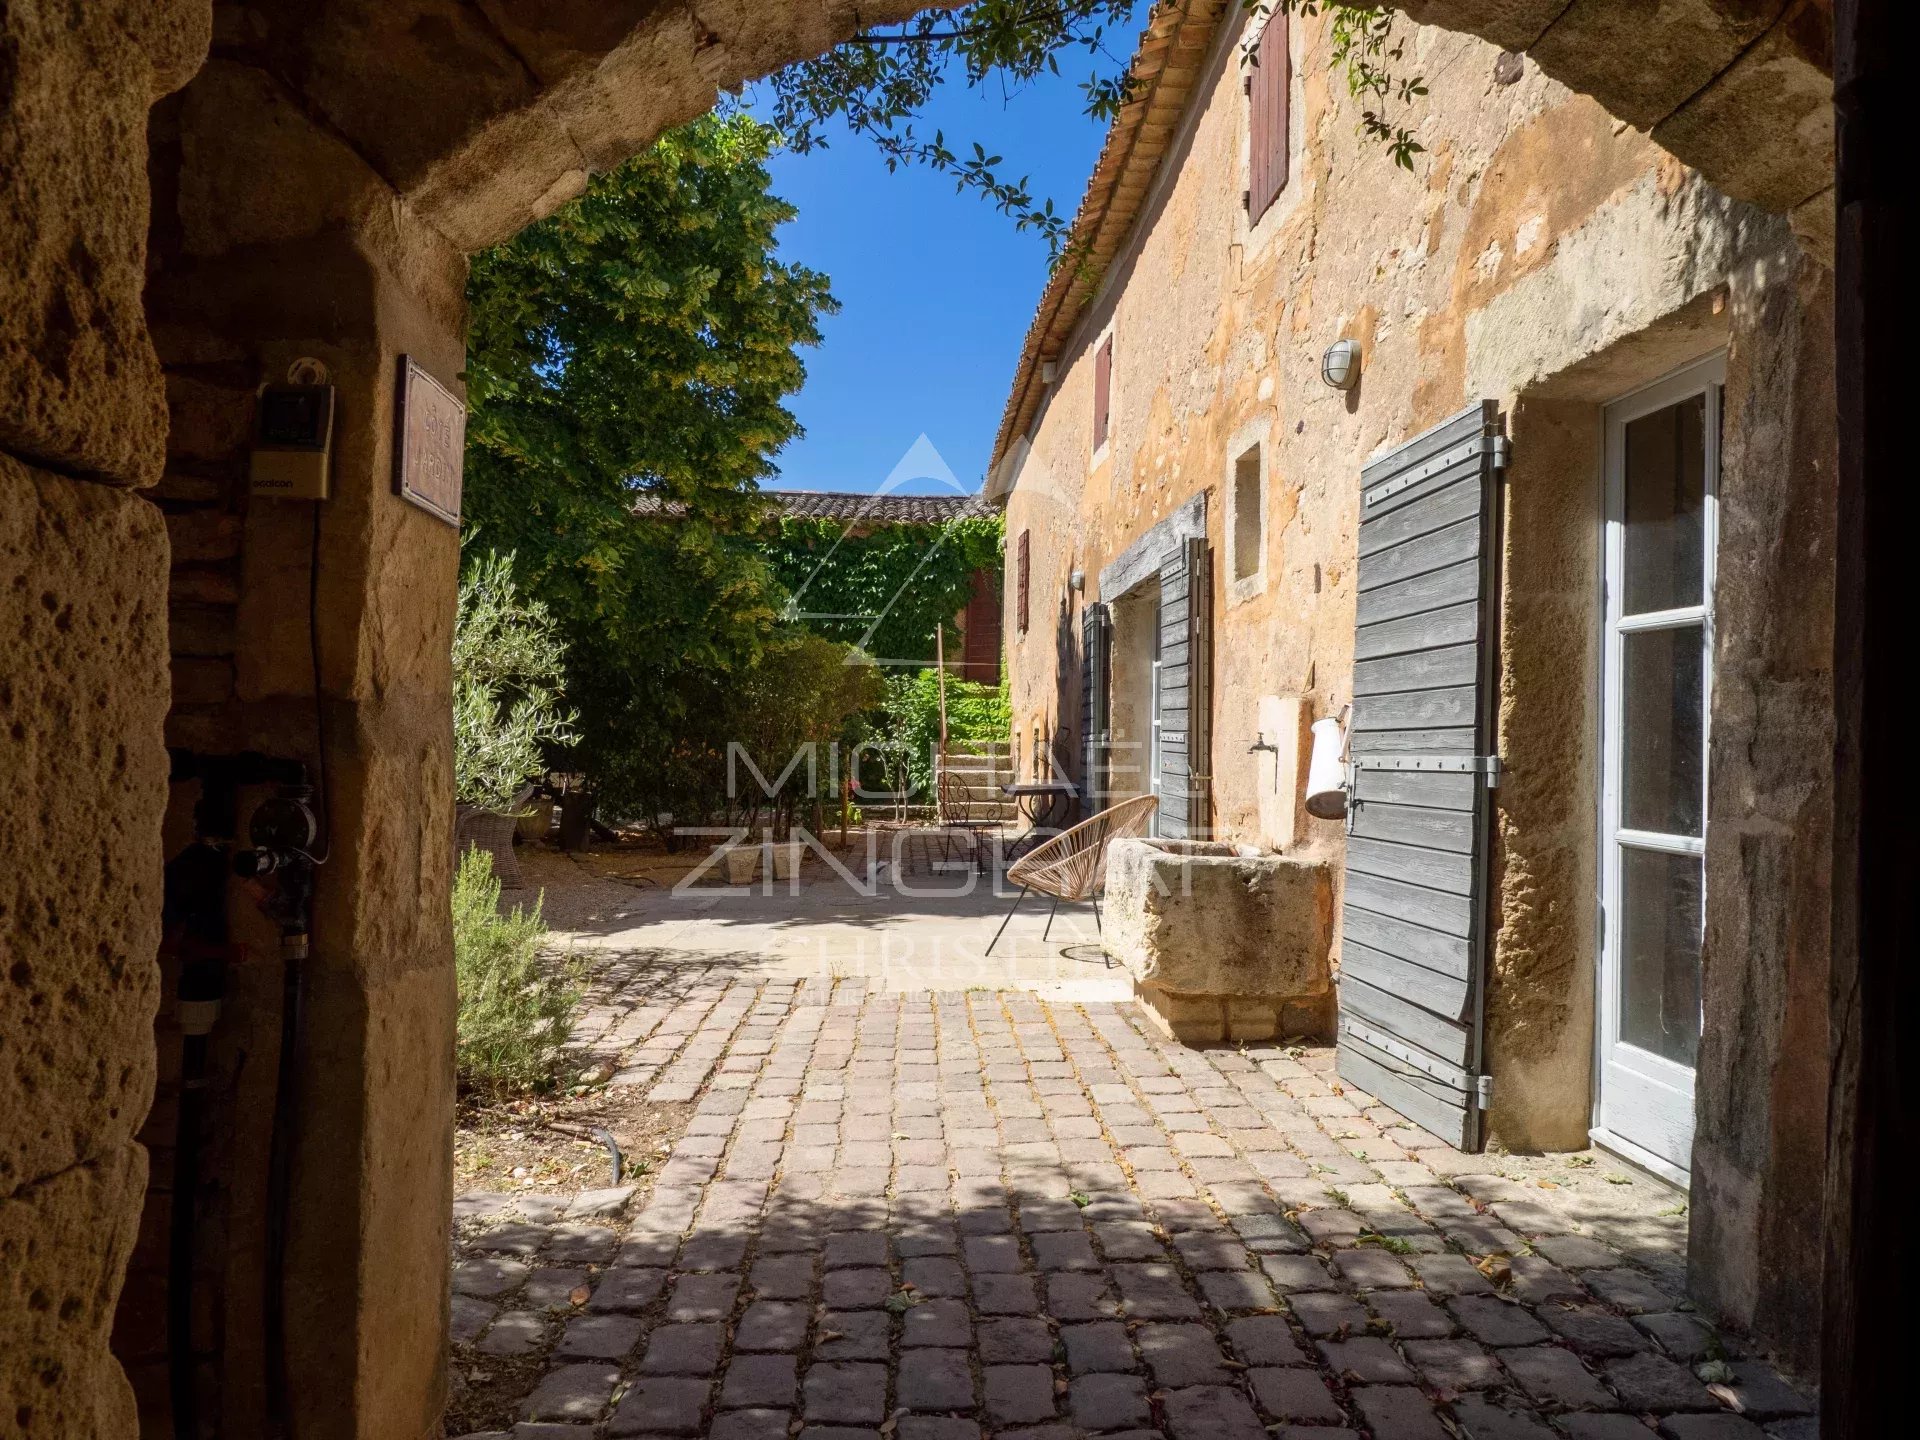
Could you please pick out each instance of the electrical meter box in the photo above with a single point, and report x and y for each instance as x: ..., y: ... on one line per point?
x: 292, y: 442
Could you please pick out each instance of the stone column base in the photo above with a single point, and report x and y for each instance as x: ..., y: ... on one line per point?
x: 1218, y: 1019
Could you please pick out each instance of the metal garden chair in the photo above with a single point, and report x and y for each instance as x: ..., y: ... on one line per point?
x: 957, y: 812
x: 1073, y: 864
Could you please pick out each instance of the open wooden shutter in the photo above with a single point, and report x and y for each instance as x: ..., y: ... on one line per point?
x: 1023, y: 574
x: 1096, y: 706
x: 1186, y: 654
x: 1269, y: 87
x: 1413, y: 960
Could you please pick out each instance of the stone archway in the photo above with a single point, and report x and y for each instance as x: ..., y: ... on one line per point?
x: 315, y: 187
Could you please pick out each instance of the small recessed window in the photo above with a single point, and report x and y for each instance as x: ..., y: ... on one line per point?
x: 1102, y: 392
x: 1249, y: 515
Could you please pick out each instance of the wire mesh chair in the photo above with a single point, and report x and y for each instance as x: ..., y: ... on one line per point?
x: 1073, y: 864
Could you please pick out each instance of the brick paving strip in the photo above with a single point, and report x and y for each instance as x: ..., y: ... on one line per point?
x: 949, y: 1216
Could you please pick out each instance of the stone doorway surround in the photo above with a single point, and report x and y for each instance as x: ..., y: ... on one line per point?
x: 315, y: 188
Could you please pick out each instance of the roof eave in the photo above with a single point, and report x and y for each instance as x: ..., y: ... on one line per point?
x: 1169, y: 62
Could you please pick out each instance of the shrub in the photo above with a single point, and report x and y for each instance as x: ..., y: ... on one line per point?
x: 516, y: 1009
x: 975, y: 712
x: 507, y: 668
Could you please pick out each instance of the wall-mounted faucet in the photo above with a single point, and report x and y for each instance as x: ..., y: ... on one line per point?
x: 1260, y: 742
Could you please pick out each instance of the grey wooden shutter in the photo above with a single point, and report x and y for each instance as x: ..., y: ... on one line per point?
x: 1413, y: 960
x: 1096, y: 631
x: 1186, y: 596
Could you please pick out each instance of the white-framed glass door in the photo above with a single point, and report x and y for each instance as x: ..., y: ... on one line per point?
x: 1662, y: 472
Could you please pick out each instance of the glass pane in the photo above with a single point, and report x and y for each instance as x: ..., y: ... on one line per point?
x: 1662, y: 691
x: 1660, y: 953
x: 1666, y: 487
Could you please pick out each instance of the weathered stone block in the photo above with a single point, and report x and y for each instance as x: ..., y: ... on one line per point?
x: 1512, y: 24
x: 201, y: 535
x: 1219, y: 942
x: 63, y: 1250
x: 1781, y: 87
x: 1681, y: 45
x: 80, y: 386
x: 83, y: 693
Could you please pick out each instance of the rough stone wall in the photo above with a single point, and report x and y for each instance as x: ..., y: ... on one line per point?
x: 1540, y: 994
x: 275, y: 241
x: 82, y: 693
x: 82, y: 689
x: 1545, y: 255
x: 1759, y: 1152
x: 1740, y: 90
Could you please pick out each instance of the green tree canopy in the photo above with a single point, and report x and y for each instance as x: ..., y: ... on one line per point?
x: 636, y: 348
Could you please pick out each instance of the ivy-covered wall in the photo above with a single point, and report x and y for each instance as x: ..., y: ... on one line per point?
x: 886, y: 589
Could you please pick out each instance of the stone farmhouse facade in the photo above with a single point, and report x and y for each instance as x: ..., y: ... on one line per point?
x: 1562, y: 555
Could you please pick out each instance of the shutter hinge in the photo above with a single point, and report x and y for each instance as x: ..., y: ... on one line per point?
x: 1246, y: 84
x: 1246, y: 200
x: 1483, y: 1091
x: 1487, y: 765
x: 1502, y: 451
x: 1493, y: 447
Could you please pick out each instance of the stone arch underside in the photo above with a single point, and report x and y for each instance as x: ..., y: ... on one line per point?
x: 316, y: 185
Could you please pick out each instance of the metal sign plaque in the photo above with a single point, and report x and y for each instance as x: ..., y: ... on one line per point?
x: 430, y: 444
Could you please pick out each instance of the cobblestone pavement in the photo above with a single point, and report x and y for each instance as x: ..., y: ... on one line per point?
x: 946, y: 1216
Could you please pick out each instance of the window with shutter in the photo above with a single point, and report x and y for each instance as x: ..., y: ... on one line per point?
x: 1102, y: 391
x: 1268, y: 88
x: 1020, y: 593
x: 1096, y: 704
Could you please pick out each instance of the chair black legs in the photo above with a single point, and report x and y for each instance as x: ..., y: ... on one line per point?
x: 1052, y: 910
x: 1003, y: 924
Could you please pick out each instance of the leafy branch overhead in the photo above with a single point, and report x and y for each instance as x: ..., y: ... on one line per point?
x: 1369, y: 54
x: 880, y: 83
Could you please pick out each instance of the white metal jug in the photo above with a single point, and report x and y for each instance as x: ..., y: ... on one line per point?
x: 1327, y: 771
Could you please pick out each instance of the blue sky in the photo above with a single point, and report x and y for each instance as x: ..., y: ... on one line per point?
x: 936, y: 287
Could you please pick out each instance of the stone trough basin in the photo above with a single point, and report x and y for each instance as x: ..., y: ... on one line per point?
x: 1224, y: 942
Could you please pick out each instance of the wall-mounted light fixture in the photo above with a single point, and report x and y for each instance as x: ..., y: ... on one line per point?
x: 1340, y: 366
x: 1077, y: 581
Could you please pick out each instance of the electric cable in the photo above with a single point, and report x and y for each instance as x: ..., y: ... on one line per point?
x: 319, y: 700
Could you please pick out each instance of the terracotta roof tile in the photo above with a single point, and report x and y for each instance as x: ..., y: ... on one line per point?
x: 850, y: 506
